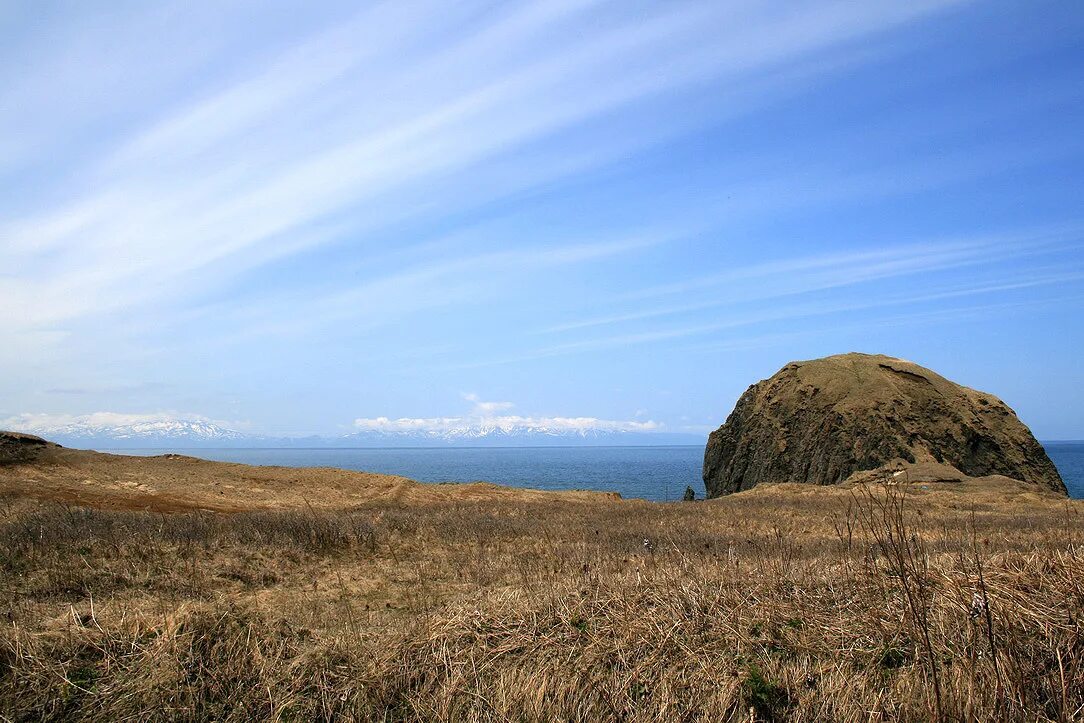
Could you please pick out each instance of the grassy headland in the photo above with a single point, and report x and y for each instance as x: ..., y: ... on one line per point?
x: 348, y: 596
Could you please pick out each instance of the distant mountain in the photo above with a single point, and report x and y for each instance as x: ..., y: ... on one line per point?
x: 144, y: 434
x: 175, y: 434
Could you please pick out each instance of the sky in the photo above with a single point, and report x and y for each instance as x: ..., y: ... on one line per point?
x: 296, y: 218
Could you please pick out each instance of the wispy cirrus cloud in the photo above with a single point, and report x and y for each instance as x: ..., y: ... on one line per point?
x: 738, y: 316
x: 236, y: 177
x: 820, y: 272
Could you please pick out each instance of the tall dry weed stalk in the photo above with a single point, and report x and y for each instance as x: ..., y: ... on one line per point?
x: 884, y: 517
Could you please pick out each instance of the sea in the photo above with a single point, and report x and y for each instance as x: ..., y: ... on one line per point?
x: 652, y: 473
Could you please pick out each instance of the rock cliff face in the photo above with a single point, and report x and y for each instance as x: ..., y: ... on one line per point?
x: 822, y: 421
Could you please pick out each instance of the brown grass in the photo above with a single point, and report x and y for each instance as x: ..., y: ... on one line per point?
x: 178, y: 483
x: 851, y: 603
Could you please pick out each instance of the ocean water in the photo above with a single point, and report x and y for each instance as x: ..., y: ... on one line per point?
x: 653, y: 473
x: 1068, y: 457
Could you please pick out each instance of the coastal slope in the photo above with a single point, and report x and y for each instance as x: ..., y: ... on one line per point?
x: 33, y: 467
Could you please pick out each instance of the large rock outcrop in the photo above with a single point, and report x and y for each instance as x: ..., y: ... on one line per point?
x: 822, y: 421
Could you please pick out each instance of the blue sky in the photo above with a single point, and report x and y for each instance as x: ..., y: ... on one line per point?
x: 287, y: 218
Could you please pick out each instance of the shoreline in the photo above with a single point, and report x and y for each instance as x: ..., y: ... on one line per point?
x: 176, y: 482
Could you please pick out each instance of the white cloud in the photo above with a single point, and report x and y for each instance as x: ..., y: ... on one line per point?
x: 486, y: 409
x: 482, y: 418
x: 452, y: 425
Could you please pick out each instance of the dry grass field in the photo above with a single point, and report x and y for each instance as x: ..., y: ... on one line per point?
x: 861, y: 602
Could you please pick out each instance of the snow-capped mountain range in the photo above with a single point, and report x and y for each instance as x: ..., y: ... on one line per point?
x: 117, y: 432
x: 107, y: 431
